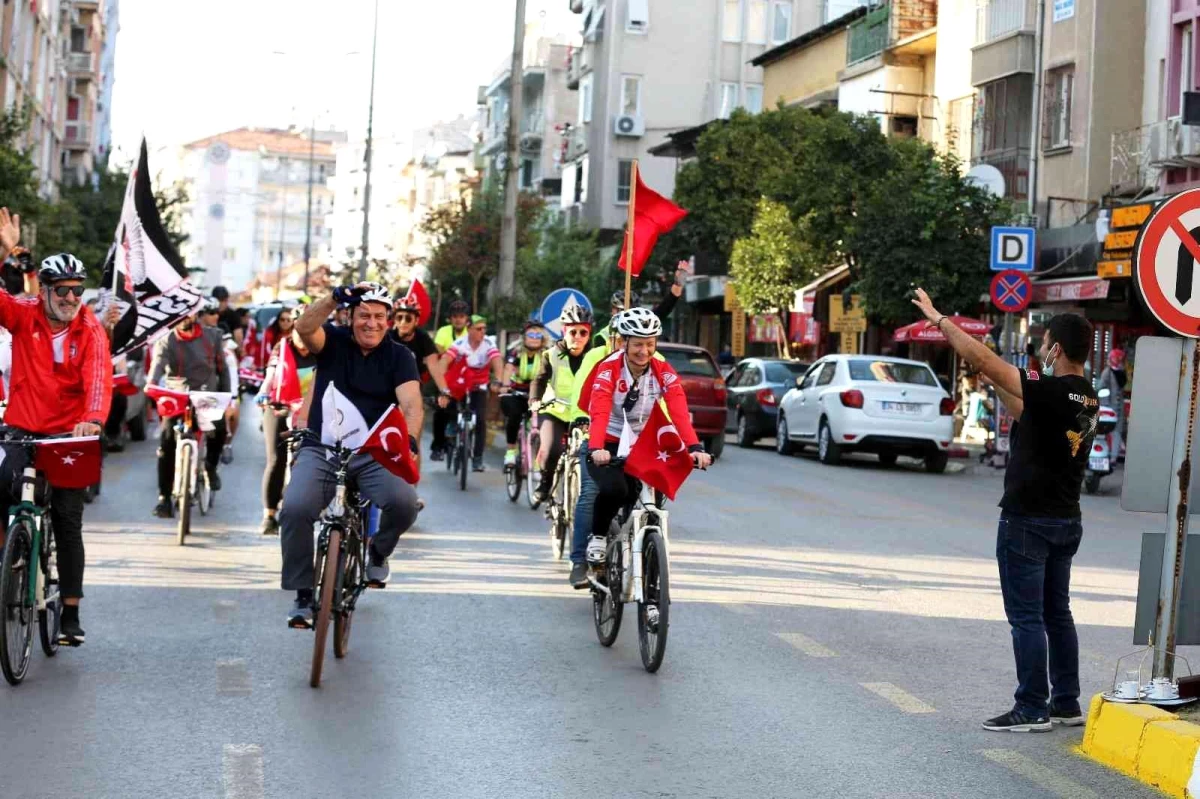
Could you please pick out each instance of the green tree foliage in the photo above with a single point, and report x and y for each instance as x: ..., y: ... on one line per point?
x: 560, y: 257
x: 773, y: 261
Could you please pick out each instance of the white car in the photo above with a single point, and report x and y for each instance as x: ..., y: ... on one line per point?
x: 868, y: 403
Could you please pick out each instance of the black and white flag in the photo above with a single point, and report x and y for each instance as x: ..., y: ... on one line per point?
x: 143, y: 274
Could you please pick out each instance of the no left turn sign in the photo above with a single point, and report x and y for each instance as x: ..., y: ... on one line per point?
x: 1167, y: 263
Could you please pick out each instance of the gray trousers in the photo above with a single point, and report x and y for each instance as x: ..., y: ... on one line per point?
x: 310, y: 489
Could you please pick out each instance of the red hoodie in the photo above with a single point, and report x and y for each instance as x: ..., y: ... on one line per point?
x: 47, y: 397
x: 597, y: 397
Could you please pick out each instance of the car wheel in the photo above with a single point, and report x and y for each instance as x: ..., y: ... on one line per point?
x: 828, y: 451
x: 783, y: 444
x: 715, y: 445
x: 887, y: 458
x: 744, y: 439
x: 936, y: 463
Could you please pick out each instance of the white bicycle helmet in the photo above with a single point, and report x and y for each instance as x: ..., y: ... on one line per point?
x: 575, y: 315
x: 376, y: 293
x: 637, y: 323
x: 63, y: 266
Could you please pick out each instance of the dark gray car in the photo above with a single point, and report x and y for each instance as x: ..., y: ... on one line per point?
x: 754, y: 389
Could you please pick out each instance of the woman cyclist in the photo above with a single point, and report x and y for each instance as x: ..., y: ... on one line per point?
x: 278, y: 418
x: 519, y: 369
x: 553, y: 388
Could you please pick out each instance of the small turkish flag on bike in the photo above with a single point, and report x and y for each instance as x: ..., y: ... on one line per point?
x: 659, y: 457
x: 69, y: 462
x: 654, y: 215
x: 387, y: 443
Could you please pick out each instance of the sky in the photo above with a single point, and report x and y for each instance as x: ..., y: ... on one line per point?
x: 186, y: 69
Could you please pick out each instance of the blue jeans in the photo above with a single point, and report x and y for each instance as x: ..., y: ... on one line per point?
x: 1034, y: 556
x: 584, y: 509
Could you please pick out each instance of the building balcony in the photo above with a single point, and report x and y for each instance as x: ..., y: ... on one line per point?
x: 1004, y: 40
x: 906, y: 25
x: 1170, y: 144
x: 578, y: 65
x: 80, y: 64
x: 77, y: 136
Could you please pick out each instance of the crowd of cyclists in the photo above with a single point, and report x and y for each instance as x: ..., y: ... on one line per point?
x: 352, y: 355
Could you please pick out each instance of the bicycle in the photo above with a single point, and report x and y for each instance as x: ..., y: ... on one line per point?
x: 29, y: 539
x: 564, y: 491
x: 636, y: 570
x: 525, y: 469
x: 341, y: 556
x: 459, y: 458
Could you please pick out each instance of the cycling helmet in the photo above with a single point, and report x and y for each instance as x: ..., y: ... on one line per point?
x: 374, y: 292
x: 459, y: 307
x: 407, y: 302
x: 637, y: 323
x: 63, y: 266
x: 20, y: 259
x: 575, y: 315
x: 531, y: 324
x: 210, y: 305
x: 618, y: 299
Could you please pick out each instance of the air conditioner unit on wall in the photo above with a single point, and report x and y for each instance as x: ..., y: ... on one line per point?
x: 629, y: 125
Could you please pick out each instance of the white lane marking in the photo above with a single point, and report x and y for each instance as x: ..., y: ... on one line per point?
x: 1035, y: 772
x: 233, y: 678
x: 242, y: 771
x: 807, y: 645
x: 899, y: 697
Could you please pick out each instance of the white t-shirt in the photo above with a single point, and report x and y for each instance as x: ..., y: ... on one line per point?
x: 58, y: 340
x: 479, y: 357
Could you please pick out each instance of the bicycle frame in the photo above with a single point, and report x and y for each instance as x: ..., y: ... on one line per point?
x: 338, y: 515
x: 647, y: 516
x: 28, y: 510
x: 189, y: 437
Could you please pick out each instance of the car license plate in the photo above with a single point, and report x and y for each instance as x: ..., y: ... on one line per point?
x: 902, y: 407
x: 1098, y: 464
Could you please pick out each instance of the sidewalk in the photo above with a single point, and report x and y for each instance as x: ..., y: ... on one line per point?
x: 1151, y: 745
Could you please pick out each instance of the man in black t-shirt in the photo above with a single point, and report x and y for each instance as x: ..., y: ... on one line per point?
x: 406, y: 333
x: 229, y: 319
x: 1040, y: 524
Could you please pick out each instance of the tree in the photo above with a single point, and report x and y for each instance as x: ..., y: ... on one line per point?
x: 18, y: 175
x: 773, y: 261
x: 557, y: 256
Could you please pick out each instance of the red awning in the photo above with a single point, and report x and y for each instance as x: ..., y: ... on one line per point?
x: 923, y: 332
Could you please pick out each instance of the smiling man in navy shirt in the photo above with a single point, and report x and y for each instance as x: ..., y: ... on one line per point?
x: 361, y: 372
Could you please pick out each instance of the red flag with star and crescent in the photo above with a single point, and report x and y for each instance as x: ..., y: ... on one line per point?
x: 69, y: 462
x: 654, y: 216
x: 387, y: 443
x: 418, y: 293
x: 659, y: 458
x: 167, y: 402
x: 287, y: 378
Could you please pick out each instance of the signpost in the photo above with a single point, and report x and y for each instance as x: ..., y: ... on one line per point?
x: 1013, y: 248
x: 848, y: 323
x: 1165, y: 257
x: 1011, y: 291
x: 554, y: 304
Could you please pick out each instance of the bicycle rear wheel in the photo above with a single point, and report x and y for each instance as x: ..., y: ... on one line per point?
x: 16, y: 611
x: 326, y: 589
x: 49, y: 617
x: 512, y: 481
x: 463, y: 457
x: 607, y: 609
x: 533, y: 475
x: 349, y: 578
x: 653, y: 610
x: 183, y: 472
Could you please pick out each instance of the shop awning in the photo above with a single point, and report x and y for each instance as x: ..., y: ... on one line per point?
x: 824, y: 281
x: 922, y: 333
x: 1071, y: 289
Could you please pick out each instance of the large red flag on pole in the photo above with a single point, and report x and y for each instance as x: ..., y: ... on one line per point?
x: 650, y: 216
x: 417, y: 292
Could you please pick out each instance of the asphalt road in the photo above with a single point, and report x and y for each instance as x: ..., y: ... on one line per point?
x: 836, y: 632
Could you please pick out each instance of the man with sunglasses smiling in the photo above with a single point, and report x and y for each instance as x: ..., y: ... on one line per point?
x: 554, y: 388
x: 406, y: 333
x: 61, y: 383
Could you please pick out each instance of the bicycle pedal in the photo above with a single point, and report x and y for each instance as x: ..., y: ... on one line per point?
x: 71, y: 642
x: 376, y: 584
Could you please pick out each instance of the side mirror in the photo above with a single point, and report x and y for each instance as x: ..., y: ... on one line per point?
x: 799, y: 380
x: 1104, y: 393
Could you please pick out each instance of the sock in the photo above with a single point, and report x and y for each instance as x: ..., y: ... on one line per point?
x: 70, y: 613
x: 305, y: 595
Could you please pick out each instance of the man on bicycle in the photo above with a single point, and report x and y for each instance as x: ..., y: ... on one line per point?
x: 553, y: 388
x: 443, y: 340
x: 519, y: 369
x: 626, y: 388
x: 61, y: 383
x: 361, y: 373
x: 406, y: 333
x: 470, y: 360
x: 192, y: 358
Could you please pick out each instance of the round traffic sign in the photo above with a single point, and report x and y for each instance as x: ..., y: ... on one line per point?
x: 554, y: 304
x: 1011, y: 291
x: 1165, y: 259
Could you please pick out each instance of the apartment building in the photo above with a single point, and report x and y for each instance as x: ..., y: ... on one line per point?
x: 85, y: 83
x: 108, y: 77
x: 443, y: 172
x: 647, y: 69
x: 248, y: 209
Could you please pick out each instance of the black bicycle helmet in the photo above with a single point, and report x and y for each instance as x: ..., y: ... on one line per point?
x: 618, y: 299
x: 459, y: 306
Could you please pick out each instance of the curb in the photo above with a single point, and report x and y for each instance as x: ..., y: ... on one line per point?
x: 1151, y: 745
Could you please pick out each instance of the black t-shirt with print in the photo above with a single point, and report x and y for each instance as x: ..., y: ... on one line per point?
x: 1050, y: 447
x: 420, y: 345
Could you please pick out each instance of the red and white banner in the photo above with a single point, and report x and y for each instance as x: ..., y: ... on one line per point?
x: 69, y: 462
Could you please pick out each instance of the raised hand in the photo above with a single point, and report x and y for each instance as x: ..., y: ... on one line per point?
x: 10, y: 230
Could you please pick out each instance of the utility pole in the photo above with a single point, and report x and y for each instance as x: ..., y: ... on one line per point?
x: 508, y: 224
x: 1035, y: 137
x: 283, y: 165
x: 312, y: 146
x: 362, y: 264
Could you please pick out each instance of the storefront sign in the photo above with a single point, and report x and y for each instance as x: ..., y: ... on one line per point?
x: 1111, y: 269
x: 803, y: 329
x: 731, y: 300
x: 1063, y: 9
x: 1131, y: 215
x: 764, y: 328
x: 1071, y: 290
x: 1120, y: 241
x: 846, y: 320
x: 738, y: 344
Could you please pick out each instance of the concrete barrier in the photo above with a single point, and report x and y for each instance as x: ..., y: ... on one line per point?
x: 1146, y: 743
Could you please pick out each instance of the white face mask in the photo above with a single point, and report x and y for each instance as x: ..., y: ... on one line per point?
x: 1048, y: 366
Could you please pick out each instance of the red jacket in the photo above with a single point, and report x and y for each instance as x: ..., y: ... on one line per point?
x: 597, y: 397
x: 47, y: 397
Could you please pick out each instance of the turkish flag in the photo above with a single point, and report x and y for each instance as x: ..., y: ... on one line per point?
x: 123, y: 386
x: 462, y: 379
x: 654, y: 215
x: 69, y: 462
x: 168, y: 403
x: 387, y: 443
x: 287, y: 378
x: 659, y: 457
x: 417, y: 292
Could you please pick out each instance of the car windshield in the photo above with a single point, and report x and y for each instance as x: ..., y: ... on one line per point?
x: 778, y: 372
x: 891, y: 372
x: 687, y: 362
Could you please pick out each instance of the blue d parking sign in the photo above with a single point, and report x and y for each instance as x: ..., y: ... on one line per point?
x: 553, y: 305
x: 1013, y: 248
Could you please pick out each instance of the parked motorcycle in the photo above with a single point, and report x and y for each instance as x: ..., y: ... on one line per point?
x: 1101, y: 459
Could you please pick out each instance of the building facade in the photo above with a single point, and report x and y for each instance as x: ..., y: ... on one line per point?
x: 248, y: 209
x: 108, y: 77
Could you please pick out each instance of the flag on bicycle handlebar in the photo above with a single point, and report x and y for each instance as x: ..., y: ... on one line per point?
x: 167, y: 402
x: 69, y: 462
x: 387, y: 443
x: 210, y: 407
x: 659, y: 457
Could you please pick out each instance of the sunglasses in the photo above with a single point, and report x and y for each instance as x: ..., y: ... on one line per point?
x: 579, y: 332
x: 535, y: 334
x: 406, y: 317
x: 63, y: 291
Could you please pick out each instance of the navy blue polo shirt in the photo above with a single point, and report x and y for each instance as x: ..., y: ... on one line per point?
x: 368, y: 381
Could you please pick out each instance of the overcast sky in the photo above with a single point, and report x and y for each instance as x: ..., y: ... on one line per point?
x: 187, y: 69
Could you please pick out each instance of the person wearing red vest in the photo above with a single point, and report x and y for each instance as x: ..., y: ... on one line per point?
x: 61, y: 382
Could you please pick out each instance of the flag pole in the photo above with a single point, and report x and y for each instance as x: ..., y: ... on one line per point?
x: 629, y: 226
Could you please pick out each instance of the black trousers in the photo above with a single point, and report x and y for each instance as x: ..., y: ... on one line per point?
x: 166, y: 453
x: 558, y: 429
x: 514, y: 409
x: 274, y: 428
x: 441, y: 418
x: 116, y: 417
x: 66, y: 517
x: 615, y: 490
x: 478, y: 403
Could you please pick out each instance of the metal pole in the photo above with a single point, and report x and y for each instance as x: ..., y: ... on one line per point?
x: 283, y: 164
x: 312, y: 146
x: 506, y: 279
x: 362, y: 264
x: 1171, y: 583
x: 1035, y: 138
x: 630, y: 225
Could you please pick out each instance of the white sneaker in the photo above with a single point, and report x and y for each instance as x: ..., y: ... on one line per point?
x: 597, y: 549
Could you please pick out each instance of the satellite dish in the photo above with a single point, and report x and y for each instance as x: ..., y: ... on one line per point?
x: 988, y: 178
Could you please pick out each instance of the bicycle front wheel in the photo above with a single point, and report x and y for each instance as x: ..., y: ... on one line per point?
x: 349, y: 579
x: 654, y: 609
x: 512, y: 482
x: 327, y: 588
x: 16, y: 611
x: 49, y: 617
x: 183, y: 477
x: 464, y: 457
